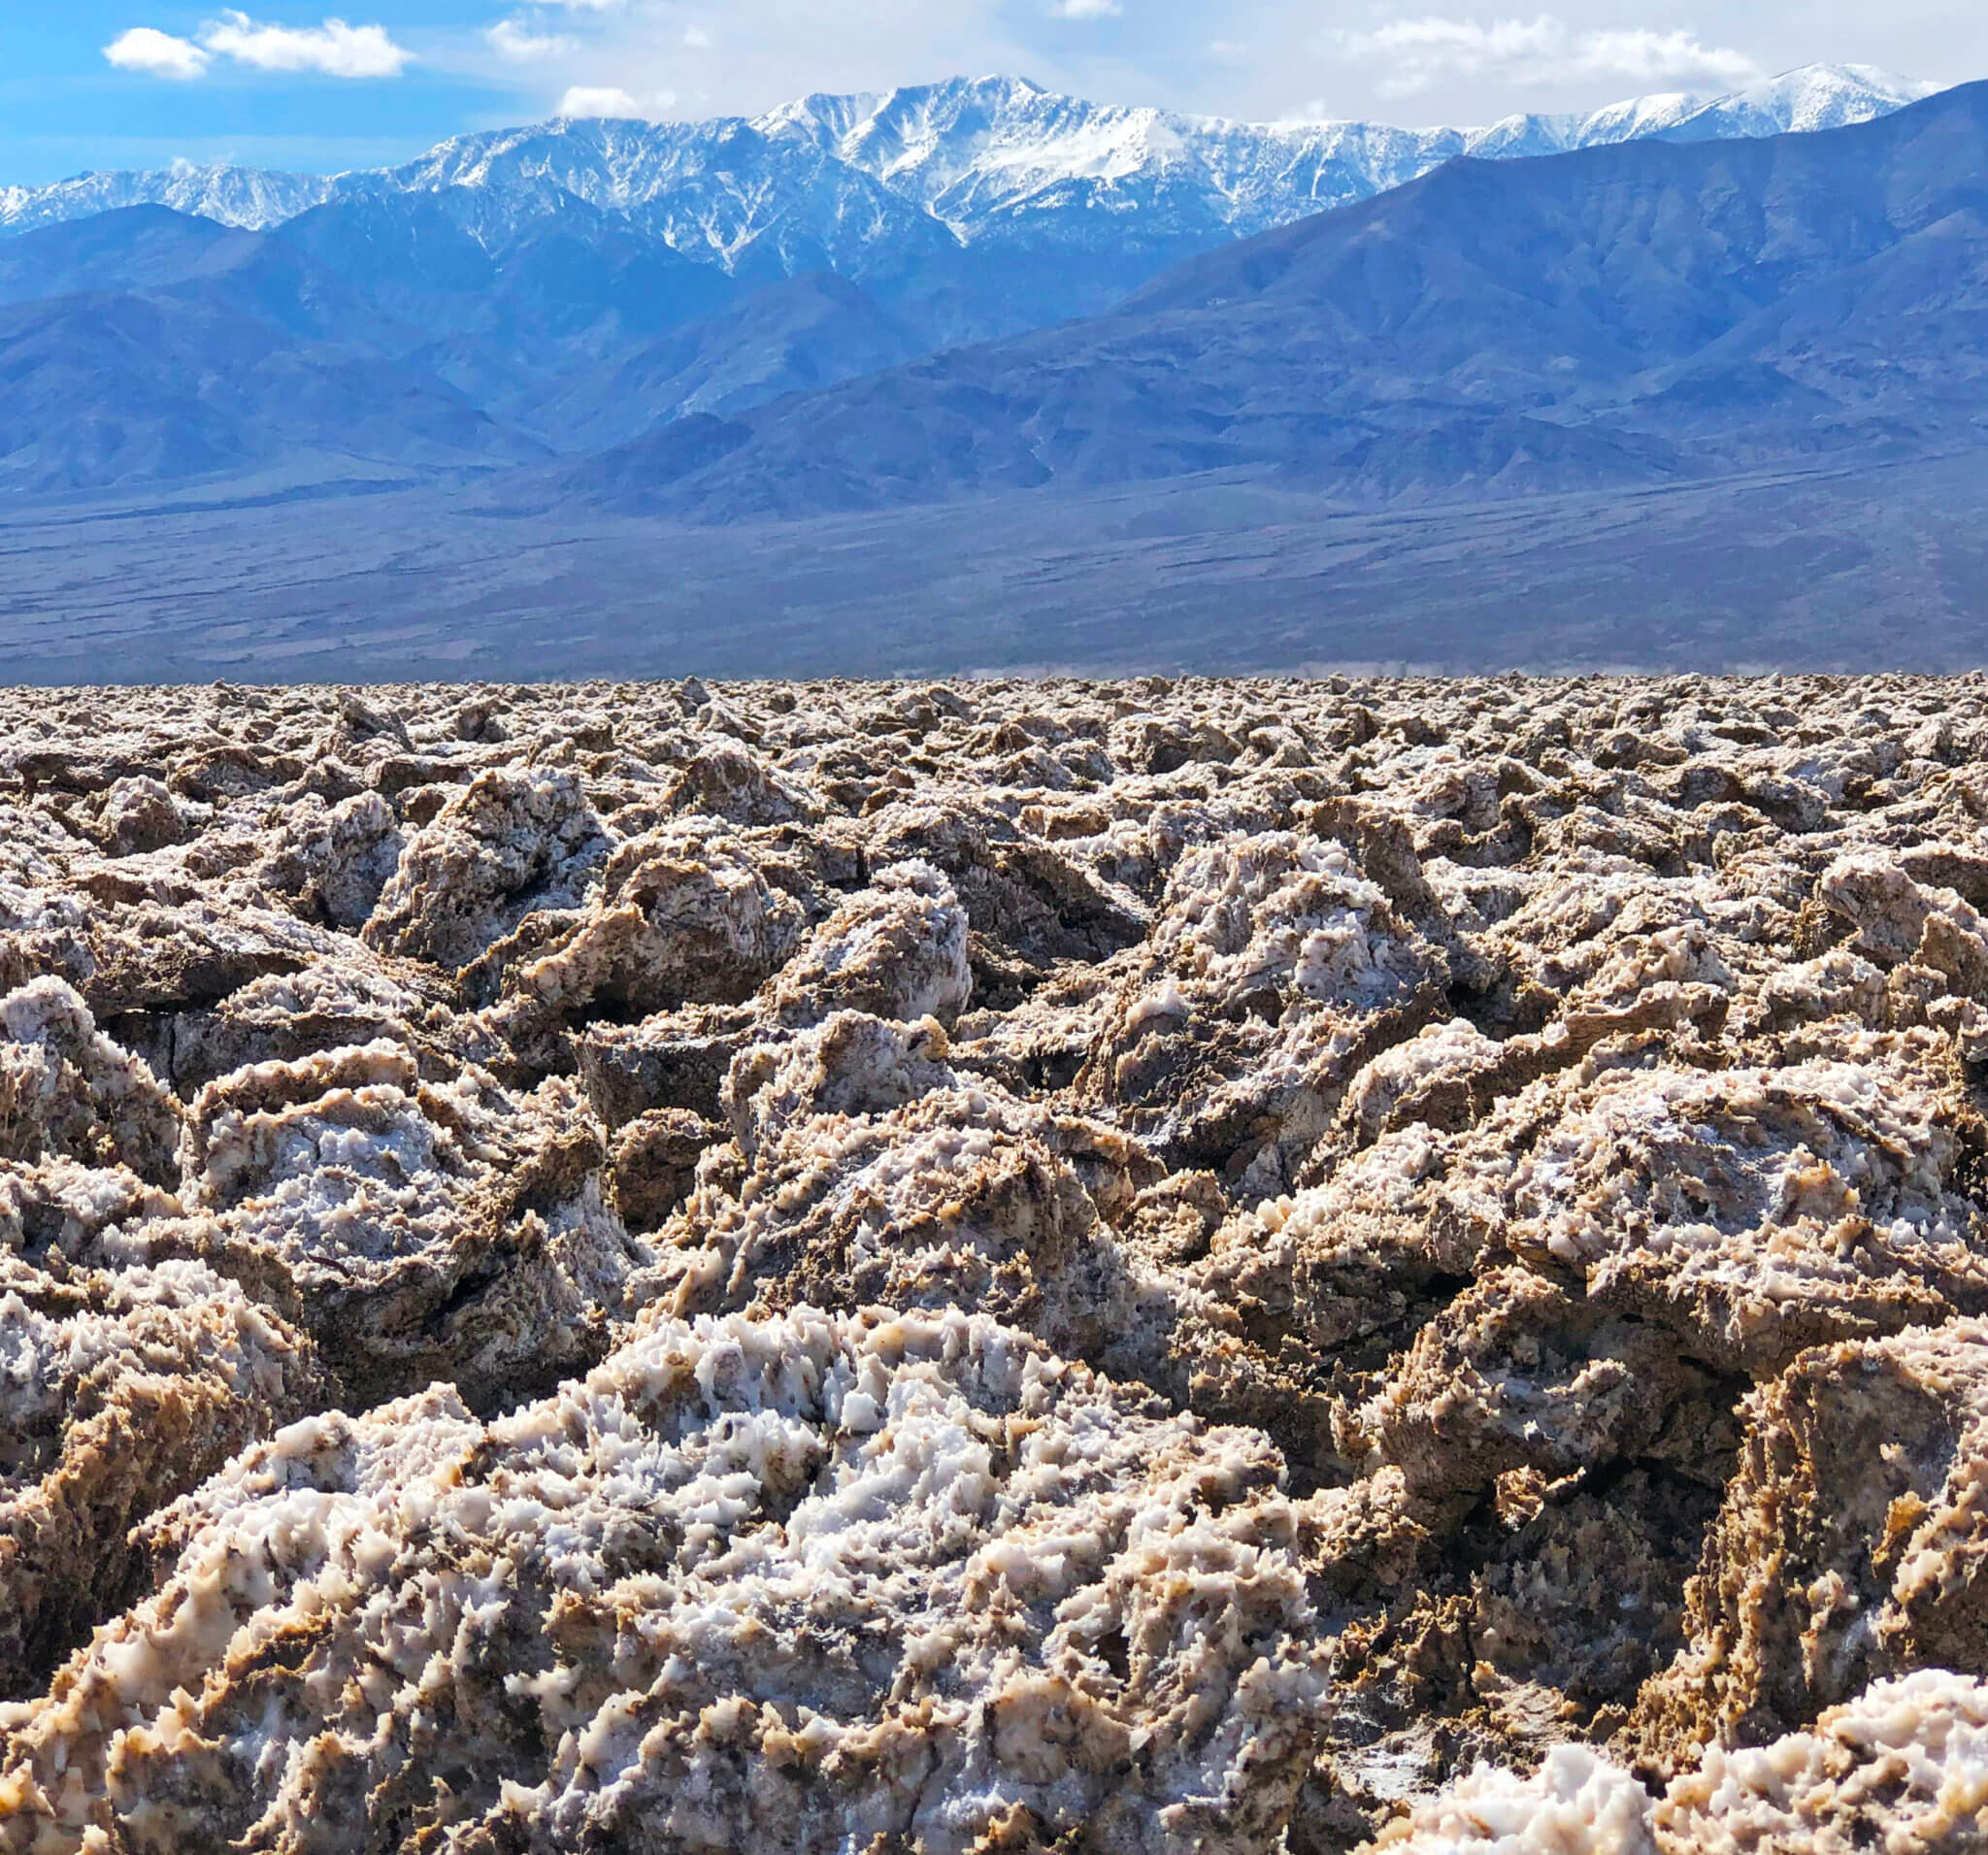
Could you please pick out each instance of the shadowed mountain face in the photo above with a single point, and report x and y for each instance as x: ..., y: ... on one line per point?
x: 140, y: 248
x: 790, y: 337
x: 145, y: 344
x: 1632, y: 315
x: 218, y: 373
x: 570, y: 327
x: 130, y: 390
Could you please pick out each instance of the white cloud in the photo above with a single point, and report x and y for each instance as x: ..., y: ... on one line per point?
x: 697, y: 38
x: 584, y: 6
x: 1416, y: 54
x: 334, y: 50
x: 157, y: 55
x: 1648, y: 56
x: 584, y: 100
x: 1086, y: 9
x: 515, y: 41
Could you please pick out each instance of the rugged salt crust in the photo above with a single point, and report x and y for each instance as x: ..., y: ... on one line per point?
x: 1164, y: 1265
x: 120, y: 1391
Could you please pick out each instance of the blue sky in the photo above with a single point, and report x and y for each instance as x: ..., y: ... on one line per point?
x: 283, y: 85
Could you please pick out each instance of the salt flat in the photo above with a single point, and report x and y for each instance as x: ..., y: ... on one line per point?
x: 1016, y: 1264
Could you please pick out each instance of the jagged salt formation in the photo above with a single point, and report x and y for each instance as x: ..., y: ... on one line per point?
x: 1903, y: 1767
x: 796, y: 1583
x: 1148, y: 1266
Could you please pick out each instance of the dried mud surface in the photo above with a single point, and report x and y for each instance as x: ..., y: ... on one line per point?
x: 1164, y: 1265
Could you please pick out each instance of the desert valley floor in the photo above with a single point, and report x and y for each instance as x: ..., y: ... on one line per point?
x: 1004, y: 1266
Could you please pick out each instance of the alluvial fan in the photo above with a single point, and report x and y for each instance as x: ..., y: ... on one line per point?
x: 1168, y: 1266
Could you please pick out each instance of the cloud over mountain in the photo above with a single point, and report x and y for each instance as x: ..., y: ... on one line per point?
x: 333, y: 50
x: 158, y: 53
x: 1544, y: 52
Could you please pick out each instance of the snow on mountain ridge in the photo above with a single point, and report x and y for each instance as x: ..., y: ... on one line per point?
x: 1813, y: 98
x: 250, y: 197
x: 851, y: 183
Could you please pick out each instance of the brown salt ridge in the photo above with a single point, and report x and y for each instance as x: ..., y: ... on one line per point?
x: 1169, y: 1266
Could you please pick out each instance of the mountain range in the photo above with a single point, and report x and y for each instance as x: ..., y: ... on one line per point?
x: 975, y: 155
x: 559, y: 330
x: 579, y: 284
x: 880, y: 189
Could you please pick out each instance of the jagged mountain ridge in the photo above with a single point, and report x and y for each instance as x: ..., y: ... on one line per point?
x: 868, y: 184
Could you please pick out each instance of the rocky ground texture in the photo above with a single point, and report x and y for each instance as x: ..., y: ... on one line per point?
x: 1005, y: 1267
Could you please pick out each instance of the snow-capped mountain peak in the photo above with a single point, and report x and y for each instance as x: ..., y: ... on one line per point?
x: 1815, y: 97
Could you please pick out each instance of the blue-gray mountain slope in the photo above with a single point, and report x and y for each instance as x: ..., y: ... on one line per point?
x: 146, y: 345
